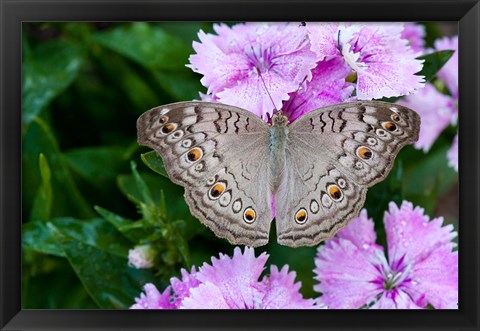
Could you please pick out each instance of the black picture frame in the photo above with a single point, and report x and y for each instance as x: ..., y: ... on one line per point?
x: 14, y: 12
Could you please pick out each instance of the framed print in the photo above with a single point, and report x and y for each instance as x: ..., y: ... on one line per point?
x: 172, y: 165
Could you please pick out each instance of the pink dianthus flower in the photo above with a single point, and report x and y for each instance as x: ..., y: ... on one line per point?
x: 421, y: 267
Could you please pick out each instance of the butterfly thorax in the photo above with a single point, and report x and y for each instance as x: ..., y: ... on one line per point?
x: 278, y: 143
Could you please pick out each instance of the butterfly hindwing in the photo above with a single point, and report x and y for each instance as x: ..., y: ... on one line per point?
x: 220, y: 155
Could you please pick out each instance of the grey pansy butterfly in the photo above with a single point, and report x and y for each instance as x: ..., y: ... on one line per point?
x: 317, y: 168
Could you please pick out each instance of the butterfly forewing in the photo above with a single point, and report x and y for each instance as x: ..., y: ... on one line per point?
x: 220, y: 155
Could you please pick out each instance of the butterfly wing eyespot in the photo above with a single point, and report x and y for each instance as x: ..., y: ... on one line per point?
x: 395, y: 117
x: 169, y: 127
x: 249, y: 215
x: 194, y: 154
x: 216, y: 190
x: 301, y: 216
x: 364, y: 152
x: 389, y: 126
x: 163, y: 119
x: 335, y: 192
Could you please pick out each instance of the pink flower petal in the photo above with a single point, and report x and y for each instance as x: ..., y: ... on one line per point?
x: 250, y: 94
x: 449, y: 72
x: 395, y: 299
x: 153, y: 299
x: 236, y: 277
x: 205, y: 296
x: 324, y: 39
x: 218, y: 69
x: 411, y: 235
x: 453, y: 154
x: 347, y: 274
x: 327, y: 87
x: 436, y: 110
x: 281, y: 291
x: 360, y: 231
x: 415, y: 34
x: 385, y: 66
x: 435, y: 279
x: 181, y: 288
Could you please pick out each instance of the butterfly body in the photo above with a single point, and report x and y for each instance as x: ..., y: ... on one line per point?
x: 318, y: 168
x: 278, y: 146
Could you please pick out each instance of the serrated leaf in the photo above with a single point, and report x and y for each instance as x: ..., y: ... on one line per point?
x: 154, y: 162
x: 433, y: 63
x: 47, y: 71
x: 42, y: 205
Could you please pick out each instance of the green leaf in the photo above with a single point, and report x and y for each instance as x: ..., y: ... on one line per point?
x: 97, y: 164
x: 146, y: 195
x: 47, y: 71
x: 176, y: 209
x: 132, y: 230
x: 150, y: 46
x: 181, y: 85
x: 130, y: 83
x: 37, y: 236
x: 108, y: 279
x: 95, y: 232
x: 429, y: 178
x: 59, y: 288
x: 154, y: 162
x: 40, y: 140
x: 42, y: 205
x: 433, y: 63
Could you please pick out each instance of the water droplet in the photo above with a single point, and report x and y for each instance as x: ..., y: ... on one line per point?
x: 365, y: 246
x: 403, y: 223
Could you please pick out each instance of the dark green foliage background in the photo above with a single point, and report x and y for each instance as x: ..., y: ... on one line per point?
x: 90, y: 193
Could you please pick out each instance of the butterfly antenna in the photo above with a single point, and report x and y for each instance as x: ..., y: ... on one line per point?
x: 265, y: 86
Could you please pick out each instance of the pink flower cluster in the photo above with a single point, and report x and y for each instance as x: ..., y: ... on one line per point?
x: 438, y: 110
x: 300, y: 67
x: 421, y: 268
x: 229, y: 283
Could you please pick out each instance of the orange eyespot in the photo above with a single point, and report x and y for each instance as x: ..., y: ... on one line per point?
x: 395, y: 117
x: 249, y: 215
x: 364, y: 152
x: 334, y: 192
x: 167, y: 128
x: 301, y: 216
x: 194, y: 154
x: 389, y: 126
x: 217, y: 190
x: 163, y: 120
